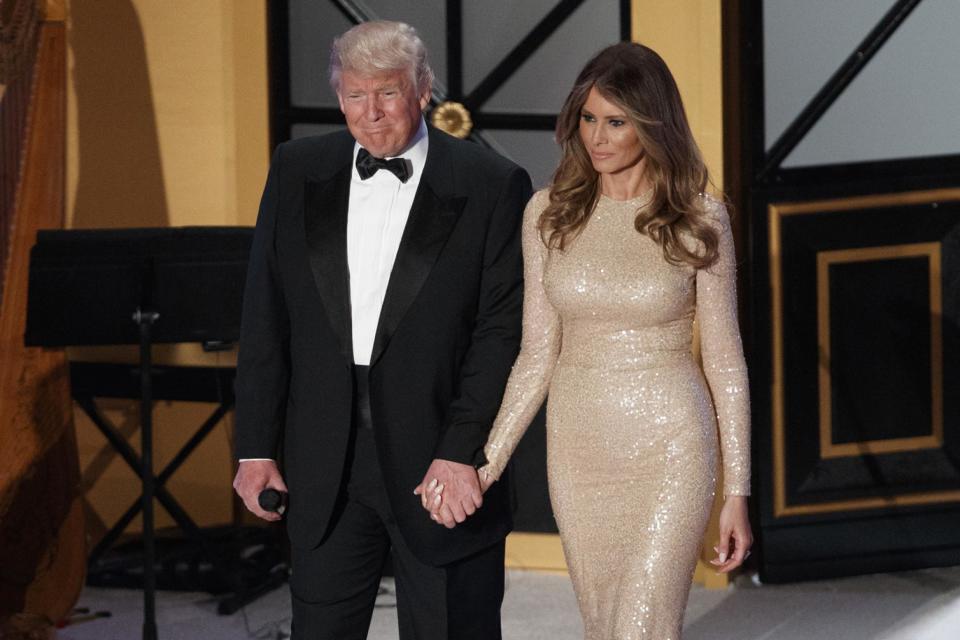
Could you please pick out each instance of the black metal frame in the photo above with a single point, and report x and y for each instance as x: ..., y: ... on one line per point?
x: 89, y: 381
x: 760, y: 168
x: 190, y: 384
x: 92, y: 380
x: 283, y: 114
x: 755, y: 179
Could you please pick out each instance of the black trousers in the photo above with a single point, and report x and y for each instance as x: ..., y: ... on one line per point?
x: 334, y: 586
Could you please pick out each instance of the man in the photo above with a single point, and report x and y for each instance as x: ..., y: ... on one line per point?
x: 381, y: 318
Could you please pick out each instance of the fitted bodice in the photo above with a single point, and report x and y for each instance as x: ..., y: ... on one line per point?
x: 620, y: 303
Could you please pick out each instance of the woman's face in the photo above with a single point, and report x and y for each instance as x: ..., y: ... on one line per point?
x: 608, y: 135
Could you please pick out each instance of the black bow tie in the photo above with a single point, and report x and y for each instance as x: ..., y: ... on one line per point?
x: 367, y: 165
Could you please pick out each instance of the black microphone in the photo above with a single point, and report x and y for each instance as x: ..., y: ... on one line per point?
x: 273, y: 500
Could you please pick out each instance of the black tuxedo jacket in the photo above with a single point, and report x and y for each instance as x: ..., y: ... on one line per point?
x: 448, y: 334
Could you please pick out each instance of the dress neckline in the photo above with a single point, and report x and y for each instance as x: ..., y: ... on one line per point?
x: 642, y: 198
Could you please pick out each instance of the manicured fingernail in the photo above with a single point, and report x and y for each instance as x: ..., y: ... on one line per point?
x: 437, y: 500
x: 432, y: 484
x: 723, y: 558
x: 439, y: 489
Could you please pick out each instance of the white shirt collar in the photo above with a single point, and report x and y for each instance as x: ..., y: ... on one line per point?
x: 416, y: 153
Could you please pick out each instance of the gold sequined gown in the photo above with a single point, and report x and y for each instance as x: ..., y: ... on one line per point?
x: 632, y: 426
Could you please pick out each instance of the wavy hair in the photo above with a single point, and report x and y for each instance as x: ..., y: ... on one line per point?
x: 636, y: 79
x: 381, y: 46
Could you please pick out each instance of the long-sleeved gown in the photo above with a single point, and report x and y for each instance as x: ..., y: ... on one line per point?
x: 631, y: 423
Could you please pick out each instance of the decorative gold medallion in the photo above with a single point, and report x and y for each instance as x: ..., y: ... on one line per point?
x: 453, y: 118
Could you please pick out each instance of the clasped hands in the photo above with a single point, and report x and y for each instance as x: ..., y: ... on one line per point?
x: 451, y: 491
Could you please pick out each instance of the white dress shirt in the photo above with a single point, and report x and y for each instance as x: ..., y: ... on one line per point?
x: 377, y: 214
x: 376, y: 217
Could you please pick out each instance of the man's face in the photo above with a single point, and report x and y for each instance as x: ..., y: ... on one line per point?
x: 383, y: 111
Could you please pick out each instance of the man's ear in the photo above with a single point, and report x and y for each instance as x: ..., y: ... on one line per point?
x: 424, y: 99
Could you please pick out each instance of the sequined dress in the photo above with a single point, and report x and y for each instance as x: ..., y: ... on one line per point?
x: 632, y: 425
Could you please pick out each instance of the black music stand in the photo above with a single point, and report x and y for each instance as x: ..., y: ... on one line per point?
x: 139, y: 286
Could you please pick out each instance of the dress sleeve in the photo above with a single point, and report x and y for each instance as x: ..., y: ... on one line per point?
x: 723, y: 362
x: 539, y: 349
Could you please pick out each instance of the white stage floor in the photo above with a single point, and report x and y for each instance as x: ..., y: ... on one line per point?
x: 914, y: 605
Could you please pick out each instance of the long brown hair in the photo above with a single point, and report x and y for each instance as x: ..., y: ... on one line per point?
x: 635, y: 78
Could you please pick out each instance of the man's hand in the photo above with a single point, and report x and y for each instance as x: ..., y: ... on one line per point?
x: 253, y: 476
x: 450, y: 491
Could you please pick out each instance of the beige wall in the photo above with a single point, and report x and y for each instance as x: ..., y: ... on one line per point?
x: 687, y: 34
x: 179, y: 88
x: 167, y: 126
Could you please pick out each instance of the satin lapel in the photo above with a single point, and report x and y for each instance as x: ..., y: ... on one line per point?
x: 428, y: 227
x: 325, y: 222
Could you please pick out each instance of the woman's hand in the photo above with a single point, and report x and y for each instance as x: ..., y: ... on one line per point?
x: 735, y: 535
x: 486, y: 480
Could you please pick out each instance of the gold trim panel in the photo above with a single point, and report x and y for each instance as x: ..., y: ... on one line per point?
x: 930, y: 250
x: 776, y: 212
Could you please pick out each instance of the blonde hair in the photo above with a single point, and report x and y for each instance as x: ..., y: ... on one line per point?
x: 381, y: 46
x: 636, y: 79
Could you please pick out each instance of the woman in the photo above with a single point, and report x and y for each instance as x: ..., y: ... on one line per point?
x: 621, y: 253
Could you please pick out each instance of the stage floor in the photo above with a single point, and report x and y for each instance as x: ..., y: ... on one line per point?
x: 914, y: 605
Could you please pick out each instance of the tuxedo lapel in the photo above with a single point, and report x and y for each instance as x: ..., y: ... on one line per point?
x: 325, y: 222
x: 431, y: 220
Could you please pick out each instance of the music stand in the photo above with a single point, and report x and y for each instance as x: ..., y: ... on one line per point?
x: 138, y: 286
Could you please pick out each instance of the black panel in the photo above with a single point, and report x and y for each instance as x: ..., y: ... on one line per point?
x: 907, y: 540
x: 86, y: 284
x: 853, y: 538
x: 881, y: 369
x: 810, y: 479
x: 181, y: 384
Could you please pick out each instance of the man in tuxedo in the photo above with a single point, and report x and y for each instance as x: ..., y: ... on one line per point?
x: 381, y: 318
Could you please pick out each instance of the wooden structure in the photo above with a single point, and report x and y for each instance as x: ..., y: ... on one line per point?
x: 42, y: 546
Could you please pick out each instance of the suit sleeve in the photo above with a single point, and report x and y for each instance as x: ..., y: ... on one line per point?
x: 263, y: 367
x: 496, y: 335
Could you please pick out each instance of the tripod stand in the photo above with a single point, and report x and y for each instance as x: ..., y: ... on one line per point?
x: 176, y: 285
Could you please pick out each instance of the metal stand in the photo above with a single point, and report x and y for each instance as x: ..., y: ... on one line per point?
x: 194, y: 276
x: 145, y: 320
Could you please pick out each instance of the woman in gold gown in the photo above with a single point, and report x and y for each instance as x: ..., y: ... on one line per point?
x: 622, y: 253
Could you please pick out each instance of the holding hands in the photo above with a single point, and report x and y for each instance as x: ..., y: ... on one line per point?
x: 450, y: 491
